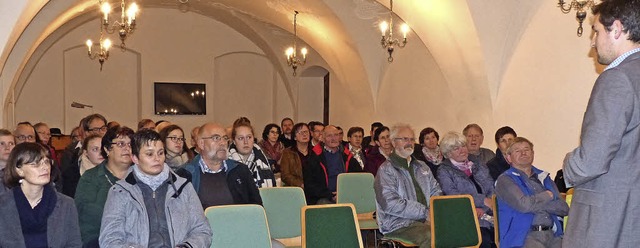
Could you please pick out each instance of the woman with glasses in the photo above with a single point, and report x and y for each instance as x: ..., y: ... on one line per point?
x: 152, y: 206
x: 458, y: 175
x: 177, y: 152
x: 376, y: 155
x: 271, y: 146
x: 296, y: 157
x: 32, y: 213
x: 244, y: 150
x: 7, y: 143
x: 91, y: 193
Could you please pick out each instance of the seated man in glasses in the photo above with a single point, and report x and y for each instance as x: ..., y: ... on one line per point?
x: 528, y: 201
x: 24, y: 132
x: 218, y: 180
x: 403, y: 188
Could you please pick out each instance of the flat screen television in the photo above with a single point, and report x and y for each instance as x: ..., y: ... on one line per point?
x: 179, y: 98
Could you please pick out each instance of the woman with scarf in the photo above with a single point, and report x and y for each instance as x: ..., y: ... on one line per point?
x: 32, y: 213
x: 177, y: 153
x: 244, y: 150
x: 271, y: 146
x: 428, y: 151
x: 152, y: 206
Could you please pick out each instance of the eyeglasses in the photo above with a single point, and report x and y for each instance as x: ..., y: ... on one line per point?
x: 25, y: 137
x: 36, y: 165
x: 244, y: 138
x: 274, y: 132
x: 98, y: 129
x: 216, y: 138
x: 121, y: 144
x: 7, y: 144
x: 406, y: 139
x: 303, y: 132
x: 44, y: 133
x: 176, y: 139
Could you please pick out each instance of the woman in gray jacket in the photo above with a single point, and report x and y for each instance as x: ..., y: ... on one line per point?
x: 152, y: 206
x: 32, y: 213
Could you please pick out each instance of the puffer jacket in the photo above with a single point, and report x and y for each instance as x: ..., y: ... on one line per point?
x: 396, y: 202
x: 125, y: 221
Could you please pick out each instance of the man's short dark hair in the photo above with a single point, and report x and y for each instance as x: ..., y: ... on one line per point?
x: 376, y: 134
x: 113, y: 133
x: 425, y: 132
x: 286, y: 119
x: 376, y: 125
x: 142, y: 137
x: 354, y: 130
x: 504, y: 130
x: 87, y: 120
x: 626, y: 11
x: 313, y: 124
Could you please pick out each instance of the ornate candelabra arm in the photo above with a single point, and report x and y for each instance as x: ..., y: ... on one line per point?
x: 565, y: 8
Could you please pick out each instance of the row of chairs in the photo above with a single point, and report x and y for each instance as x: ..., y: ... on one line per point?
x: 285, y: 216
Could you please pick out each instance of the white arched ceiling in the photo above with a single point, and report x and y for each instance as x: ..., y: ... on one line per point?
x: 342, y: 32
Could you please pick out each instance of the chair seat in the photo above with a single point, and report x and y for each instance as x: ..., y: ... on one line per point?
x: 368, y: 224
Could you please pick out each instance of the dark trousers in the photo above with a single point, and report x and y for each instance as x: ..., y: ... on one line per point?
x: 488, y: 240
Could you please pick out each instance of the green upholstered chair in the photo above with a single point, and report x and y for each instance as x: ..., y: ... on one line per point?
x: 331, y: 225
x: 454, y: 222
x: 357, y: 189
x: 230, y: 223
x: 283, y: 205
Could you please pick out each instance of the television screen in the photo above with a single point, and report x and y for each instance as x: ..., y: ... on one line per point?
x: 180, y: 99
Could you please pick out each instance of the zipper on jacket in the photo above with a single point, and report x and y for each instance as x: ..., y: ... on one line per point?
x: 154, y: 194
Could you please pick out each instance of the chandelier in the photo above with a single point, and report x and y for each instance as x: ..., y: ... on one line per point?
x: 292, y: 57
x: 581, y: 10
x: 127, y: 23
x: 103, y: 53
x: 388, y: 42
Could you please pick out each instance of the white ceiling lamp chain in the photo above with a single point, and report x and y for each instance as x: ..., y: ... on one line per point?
x: 292, y: 52
x: 581, y: 8
x: 388, y: 42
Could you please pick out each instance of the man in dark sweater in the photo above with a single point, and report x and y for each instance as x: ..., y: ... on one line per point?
x: 504, y: 138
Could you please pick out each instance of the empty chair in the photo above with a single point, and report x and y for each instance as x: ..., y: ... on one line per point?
x: 333, y: 225
x: 357, y: 189
x: 454, y: 222
x: 496, y: 226
x: 283, y: 206
x: 238, y: 226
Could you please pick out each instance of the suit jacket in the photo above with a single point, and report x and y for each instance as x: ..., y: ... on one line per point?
x: 605, y: 168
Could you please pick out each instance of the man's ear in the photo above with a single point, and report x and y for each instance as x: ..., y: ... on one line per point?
x: 134, y: 158
x: 508, y: 158
x: 617, y: 29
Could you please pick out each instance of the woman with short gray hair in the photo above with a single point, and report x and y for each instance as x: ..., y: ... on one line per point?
x: 459, y: 176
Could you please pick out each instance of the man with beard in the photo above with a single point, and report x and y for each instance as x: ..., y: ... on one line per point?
x: 216, y: 179
x: 403, y: 188
x: 286, y: 138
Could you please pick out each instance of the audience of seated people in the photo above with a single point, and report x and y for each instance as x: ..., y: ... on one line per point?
x: 296, y: 157
x: 458, y: 175
x: 98, y: 171
x: 429, y: 151
x: 475, y: 136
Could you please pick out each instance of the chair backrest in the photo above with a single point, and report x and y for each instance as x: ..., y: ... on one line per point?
x: 332, y: 225
x: 283, y: 205
x: 357, y: 189
x: 496, y: 221
x: 454, y: 222
x: 238, y: 226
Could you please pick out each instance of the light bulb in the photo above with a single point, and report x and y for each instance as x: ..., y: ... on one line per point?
x: 383, y: 27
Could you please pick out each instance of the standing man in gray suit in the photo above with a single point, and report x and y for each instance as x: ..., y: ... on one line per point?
x: 605, y: 168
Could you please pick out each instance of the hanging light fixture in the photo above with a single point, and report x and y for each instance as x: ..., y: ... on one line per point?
x: 103, y: 53
x: 292, y: 52
x: 581, y: 8
x: 127, y: 23
x: 388, y: 42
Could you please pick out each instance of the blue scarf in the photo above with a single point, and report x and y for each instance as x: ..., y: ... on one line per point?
x: 34, y: 221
